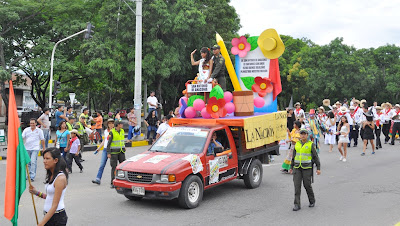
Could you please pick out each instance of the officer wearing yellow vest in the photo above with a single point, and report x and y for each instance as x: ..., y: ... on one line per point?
x: 80, y: 126
x: 304, y: 157
x: 116, y: 147
x: 70, y: 123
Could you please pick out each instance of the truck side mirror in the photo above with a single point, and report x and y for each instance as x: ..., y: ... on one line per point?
x: 218, y: 150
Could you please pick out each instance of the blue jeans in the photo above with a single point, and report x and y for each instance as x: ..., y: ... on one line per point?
x: 63, y: 153
x: 33, y: 154
x: 103, y: 162
x: 131, y: 132
x: 46, y: 134
x: 149, y: 129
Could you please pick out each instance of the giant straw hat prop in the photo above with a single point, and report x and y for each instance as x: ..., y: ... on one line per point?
x: 271, y: 44
x: 326, y: 102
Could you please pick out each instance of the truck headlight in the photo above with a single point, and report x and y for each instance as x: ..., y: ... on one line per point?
x: 120, y: 174
x: 167, y: 178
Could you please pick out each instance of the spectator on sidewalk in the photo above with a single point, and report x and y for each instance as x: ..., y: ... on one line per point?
x: 33, y: 136
x: 132, y: 122
x: 98, y: 126
x: 153, y: 102
x: 44, y: 122
x: 60, y: 116
x: 152, y: 124
x: 69, y: 112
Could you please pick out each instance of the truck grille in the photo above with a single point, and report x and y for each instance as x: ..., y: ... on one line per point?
x: 140, y: 177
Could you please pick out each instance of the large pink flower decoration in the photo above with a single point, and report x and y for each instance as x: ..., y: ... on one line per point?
x: 240, y: 46
x: 262, y: 86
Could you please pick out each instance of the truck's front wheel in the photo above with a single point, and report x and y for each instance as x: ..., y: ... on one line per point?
x: 191, y: 192
x: 253, y: 178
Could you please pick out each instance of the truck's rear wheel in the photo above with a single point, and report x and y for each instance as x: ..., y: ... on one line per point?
x: 134, y: 198
x: 254, y: 175
x: 191, y: 192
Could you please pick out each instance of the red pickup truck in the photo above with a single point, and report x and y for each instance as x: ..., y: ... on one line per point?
x: 185, y: 161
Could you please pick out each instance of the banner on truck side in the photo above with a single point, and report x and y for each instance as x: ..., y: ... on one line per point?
x: 265, y: 129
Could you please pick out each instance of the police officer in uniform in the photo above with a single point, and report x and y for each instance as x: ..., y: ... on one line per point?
x: 304, y: 157
x: 116, y: 148
x: 218, y: 71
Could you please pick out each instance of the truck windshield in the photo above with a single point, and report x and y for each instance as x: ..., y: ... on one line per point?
x: 188, y: 140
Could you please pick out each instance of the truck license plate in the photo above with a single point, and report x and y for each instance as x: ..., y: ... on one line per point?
x: 137, y: 190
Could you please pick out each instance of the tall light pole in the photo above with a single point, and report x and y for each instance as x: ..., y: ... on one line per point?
x: 138, y: 63
x: 89, y: 27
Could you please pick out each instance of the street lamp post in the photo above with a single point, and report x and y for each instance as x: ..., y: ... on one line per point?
x: 52, y: 62
x: 138, y: 63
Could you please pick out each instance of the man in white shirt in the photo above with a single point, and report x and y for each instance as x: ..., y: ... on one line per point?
x: 32, y: 136
x: 396, y: 122
x: 152, y: 102
x: 363, y: 118
x: 386, y: 120
x: 44, y: 121
x: 354, y: 127
x: 378, y: 117
x: 164, y: 126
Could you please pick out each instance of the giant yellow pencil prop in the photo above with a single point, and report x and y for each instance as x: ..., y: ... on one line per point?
x: 228, y: 63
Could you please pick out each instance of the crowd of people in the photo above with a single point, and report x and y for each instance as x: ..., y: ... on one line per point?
x: 343, y: 124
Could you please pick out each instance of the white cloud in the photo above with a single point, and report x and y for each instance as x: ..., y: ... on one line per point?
x: 363, y: 24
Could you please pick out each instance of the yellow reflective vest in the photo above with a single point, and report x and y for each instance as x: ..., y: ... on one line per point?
x: 303, y: 156
x: 118, y: 141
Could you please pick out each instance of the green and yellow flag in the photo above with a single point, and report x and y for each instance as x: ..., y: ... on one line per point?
x: 17, y: 158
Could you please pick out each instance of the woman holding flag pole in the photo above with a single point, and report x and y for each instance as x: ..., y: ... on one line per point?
x: 56, y: 185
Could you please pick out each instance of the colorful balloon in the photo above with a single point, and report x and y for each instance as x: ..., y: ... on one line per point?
x: 198, y: 104
x: 204, y: 113
x: 190, y: 112
x: 228, y: 97
x: 230, y: 107
x: 259, y: 102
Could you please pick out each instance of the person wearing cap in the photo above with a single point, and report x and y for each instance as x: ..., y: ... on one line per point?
x: 354, y: 127
x: 378, y: 117
x: 74, y: 149
x: 396, y: 123
x: 104, y: 158
x: 298, y: 112
x: 83, y: 137
x: 368, y: 127
x: 218, y: 68
x: 70, y: 123
x: 304, y: 157
x: 387, y: 117
x: 321, y: 115
x: 116, y: 148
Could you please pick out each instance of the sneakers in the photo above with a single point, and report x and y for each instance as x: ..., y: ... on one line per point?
x: 373, y: 152
x: 81, y: 170
x: 296, y: 208
x: 344, y: 160
x: 32, y: 180
x: 96, y: 182
x: 341, y: 158
x: 362, y: 154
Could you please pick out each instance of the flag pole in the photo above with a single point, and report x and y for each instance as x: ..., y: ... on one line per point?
x: 33, y: 200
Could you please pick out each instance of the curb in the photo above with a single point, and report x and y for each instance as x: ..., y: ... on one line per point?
x: 3, y: 158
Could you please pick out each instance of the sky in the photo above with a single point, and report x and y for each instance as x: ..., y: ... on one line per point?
x: 361, y: 23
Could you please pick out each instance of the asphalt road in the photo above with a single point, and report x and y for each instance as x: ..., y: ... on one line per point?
x: 365, y: 190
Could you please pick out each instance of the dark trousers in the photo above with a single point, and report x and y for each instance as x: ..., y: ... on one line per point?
x: 395, y: 129
x: 115, y: 158
x: 337, y: 136
x: 354, y: 134
x: 76, y: 158
x: 303, y: 175
x: 58, y: 219
x: 222, y: 82
x: 378, y: 137
x: 385, y: 130
x: 361, y: 132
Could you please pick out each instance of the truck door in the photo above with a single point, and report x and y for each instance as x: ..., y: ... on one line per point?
x: 221, y: 165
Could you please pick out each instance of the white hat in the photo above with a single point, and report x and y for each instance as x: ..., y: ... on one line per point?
x: 297, y: 103
x: 352, y: 108
x: 343, y: 109
x: 397, y: 106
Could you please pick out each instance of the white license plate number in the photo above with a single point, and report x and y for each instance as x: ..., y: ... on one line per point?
x: 137, y: 190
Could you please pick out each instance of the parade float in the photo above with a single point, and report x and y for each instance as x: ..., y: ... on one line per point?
x: 220, y: 136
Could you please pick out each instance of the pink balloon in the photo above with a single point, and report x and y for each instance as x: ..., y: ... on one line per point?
x: 228, y: 96
x: 183, y: 98
x: 259, y: 102
x: 230, y: 107
x: 190, y: 112
x: 198, y: 104
x: 204, y: 113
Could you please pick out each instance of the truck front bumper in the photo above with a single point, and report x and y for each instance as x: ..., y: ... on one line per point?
x: 157, y: 191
